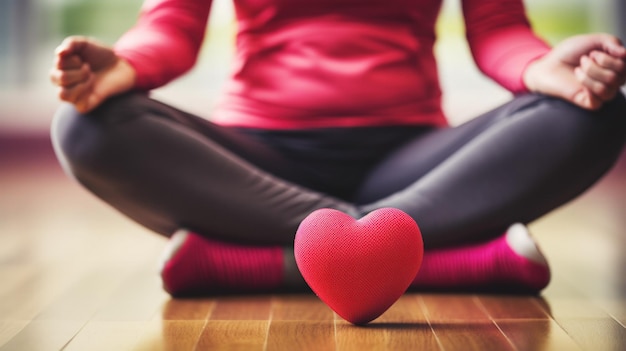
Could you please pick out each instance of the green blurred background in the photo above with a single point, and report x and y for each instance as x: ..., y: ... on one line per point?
x: 30, y: 30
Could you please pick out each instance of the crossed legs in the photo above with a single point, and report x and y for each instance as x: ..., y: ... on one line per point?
x: 169, y: 170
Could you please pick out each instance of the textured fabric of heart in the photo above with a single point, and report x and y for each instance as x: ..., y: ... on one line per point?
x: 359, y: 268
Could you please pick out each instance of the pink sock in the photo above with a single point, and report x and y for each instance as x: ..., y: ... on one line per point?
x: 511, y: 262
x: 194, y: 265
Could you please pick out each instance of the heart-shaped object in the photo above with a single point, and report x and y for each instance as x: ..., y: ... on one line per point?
x: 359, y: 268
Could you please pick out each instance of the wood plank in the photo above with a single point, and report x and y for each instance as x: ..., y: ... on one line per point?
x: 300, y: 308
x: 302, y: 335
x: 468, y: 336
x: 138, y: 298
x: 403, y: 327
x: 43, y: 335
x: 559, y: 287
x: 460, y: 322
x: 453, y: 307
x: 575, y: 308
x: 8, y: 329
x: 513, y: 307
x: 301, y: 322
x: 106, y: 336
x: 566, y: 301
x: 408, y: 309
x: 171, y: 335
x: 187, y: 309
x: 234, y: 335
x: 406, y: 326
x: 83, y: 299
x: 563, y: 301
x: 537, y: 335
x: 615, y: 308
x: 242, y: 308
x: 37, y: 291
x: 595, y: 334
x: 350, y: 337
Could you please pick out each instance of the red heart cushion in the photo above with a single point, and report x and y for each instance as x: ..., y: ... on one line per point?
x: 359, y: 268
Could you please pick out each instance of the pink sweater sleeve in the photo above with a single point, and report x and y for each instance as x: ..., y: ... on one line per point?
x: 501, y: 40
x: 166, y: 40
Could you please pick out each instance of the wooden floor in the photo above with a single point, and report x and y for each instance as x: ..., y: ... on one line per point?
x: 75, y: 275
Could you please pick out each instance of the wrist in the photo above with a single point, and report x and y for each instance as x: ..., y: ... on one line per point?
x: 127, y: 74
x: 530, y: 73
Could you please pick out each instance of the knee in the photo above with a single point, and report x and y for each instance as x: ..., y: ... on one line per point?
x: 603, y: 130
x: 606, y: 127
x: 614, y: 112
x: 84, y: 143
x: 66, y: 136
x: 595, y: 139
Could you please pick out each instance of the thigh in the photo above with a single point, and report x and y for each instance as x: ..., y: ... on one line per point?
x: 520, y: 162
x: 417, y: 157
x: 168, y: 170
x: 134, y: 106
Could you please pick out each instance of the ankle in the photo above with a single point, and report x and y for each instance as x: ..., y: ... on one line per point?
x: 194, y: 265
x: 176, y: 241
x: 521, y: 242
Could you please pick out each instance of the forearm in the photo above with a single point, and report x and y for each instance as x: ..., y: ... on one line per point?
x: 165, y: 42
x: 505, y: 56
x: 502, y: 41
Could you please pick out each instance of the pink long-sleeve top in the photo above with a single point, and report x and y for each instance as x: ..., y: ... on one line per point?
x: 330, y: 63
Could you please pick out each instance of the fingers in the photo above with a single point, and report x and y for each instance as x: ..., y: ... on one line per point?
x: 68, y: 62
x: 602, y: 42
x: 68, y: 55
x: 73, y: 45
x: 69, y: 72
x: 608, y: 61
x: 86, y: 73
x: 67, y: 77
x: 69, y: 69
x: 82, y: 95
x: 76, y: 93
x: 602, y: 74
x: 613, y: 46
x: 72, y: 82
x: 585, y: 99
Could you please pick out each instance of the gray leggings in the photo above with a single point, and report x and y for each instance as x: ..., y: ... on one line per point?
x: 168, y: 169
